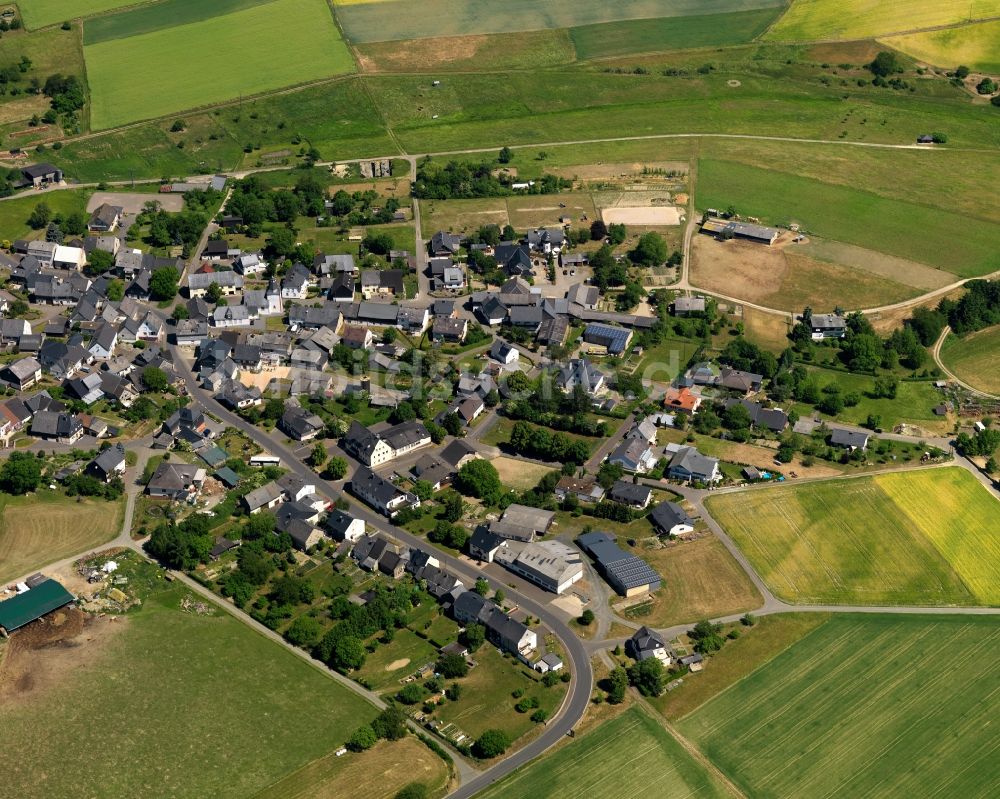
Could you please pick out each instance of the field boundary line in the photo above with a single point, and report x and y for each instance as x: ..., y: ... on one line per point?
x: 968, y: 23
x: 731, y: 788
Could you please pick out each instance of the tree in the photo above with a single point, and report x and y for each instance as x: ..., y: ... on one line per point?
x: 163, y: 283
x: 506, y: 155
x: 482, y: 587
x: 962, y: 72
x: 707, y: 637
x: 305, y: 632
x: 617, y: 684
x: 213, y: 293
x: 884, y: 64
x: 650, y: 250
x: 99, y: 262
x: 348, y: 653
x: 411, y: 694
x: 587, y: 617
x: 390, y: 724
x: 317, y: 457
x: 362, y: 738
x: 452, y: 666
x: 986, y: 86
x: 40, y: 217
x: 415, y: 790
x: 378, y: 243
x: 492, y: 743
x: 115, y: 290
x: 155, y: 379
x: 21, y: 473
x: 178, y: 126
x: 648, y: 676
x: 616, y: 233
x: 479, y: 478
x: 336, y: 468
x: 474, y: 636
x: 886, y: 386
x: 598, y: 230
x: 736, y: 417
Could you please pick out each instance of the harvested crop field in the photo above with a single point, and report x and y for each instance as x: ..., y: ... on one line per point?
x: 48, y: 526
x: 975, y: 358
x: 780, y: 276
x: 649, y: 216
x: 863, y: 19
x: 161, y: 71
x: 976, y: 46
x: 620, y: 759
x: 854, y: 709
x: 897, y: 270
x: 900, y: 538
x: 386, y: 20
x: 461, y: 216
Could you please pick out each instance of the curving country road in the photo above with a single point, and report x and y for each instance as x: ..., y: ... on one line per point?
x: 578, y: 696
x: 936, y: 354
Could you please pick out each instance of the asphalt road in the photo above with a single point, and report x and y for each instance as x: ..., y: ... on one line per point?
x: 578, y: 696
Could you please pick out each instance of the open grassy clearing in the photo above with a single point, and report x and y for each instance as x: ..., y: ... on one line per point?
x: 862, y: 19
x: 379, y: 773
x: 970, y: 540
x: 40, y: 13
x: 50, y: 51
x: 160, y: 72
x: 248, y: 712
x: 770, y: 636
x: 951, y: 180
x: 854, y: 542
x: 700, y: 580
x: 856, y: 709
x: 499, y: 434
x: 666, y: 360
x: 928, y: 235
x: 157, y: 16
x: 14, y: 213
x: 390, y: 663
x: 765, y: 330
x: 386, y: 20
x: 461, y: 216
x: 671, y: 33
x: 48, y: 526
x: 782, y: 277
x: 975, y: 358
x: 474, y: 53
x: 976, y: 46
x: 620, y: 759
x: 519, y: 474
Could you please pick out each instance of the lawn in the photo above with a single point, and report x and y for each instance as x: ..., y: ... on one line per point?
x: 922, y: 233
x: 486, y: 701
x: 861, y: 19
x: 161, y: 72
x: 756, y: 645
x: 390, y: 663
x: 854, y: 709
x: 244, y: 710
x: 386, y: 20
x: 667, y: 359
x: 39, y: 13
x: 976, y: 46
x: 47, y: 526
x: 701, y: 580
x: 926, y: 537
x: 975, y: 358
x: 14, y: 213
x: 461, y: 216
x: 670, y: 33
x: 621, y: 759
x: 519, y: 474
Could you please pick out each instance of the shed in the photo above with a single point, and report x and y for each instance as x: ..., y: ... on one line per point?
x: 33, y: 604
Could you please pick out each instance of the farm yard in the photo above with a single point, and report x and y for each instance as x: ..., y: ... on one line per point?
x: 41, y: 529
x: 248, y: 711
x: 861, y: 19
x: 152, y: 61
x: 926, y: 537
x: 977, y: 46
x: 581, y: 768
x: 975, y: 358
x: 856, y: 709
x: 386, y: 20
x: 895, y: 227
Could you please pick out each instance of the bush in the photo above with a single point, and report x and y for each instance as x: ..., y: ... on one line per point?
x: 411, y: 694
x: 491, y: 743
x: 415, y: 790
x: 586, y: 618
x: 539, y: 716
x: 452, y: 666
x: 363, y: 738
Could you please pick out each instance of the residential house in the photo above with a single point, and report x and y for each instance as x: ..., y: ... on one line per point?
x: 646, y: 643
x: 849, y: 439
x: 266, y: 497
x: 445, y: 244
x: 634, y: 455
x: 300, y: 424
x: 682, y: 400
x: 447, y: 329
x: 504, y: 353
x: 513, y: 258
x: 689, y: 465
x: 249, y: 264
x: 109, y: 464
x: 105, y: 218
x: 380, y: 493
x: 102, y: 345
x: 670, y: 519
x: 625, y: 492
x: 64, y: 428
x: 580, y: 372
x: 176, y: 480
x: 685, y: 306
x: 484, y: 545
x: 228, y: 282
x: 357, y: 337
x: 375, y: 449
x: 585, y: 489
x: 22, y: 374
x: 827, y: 325
x: 343, y: 526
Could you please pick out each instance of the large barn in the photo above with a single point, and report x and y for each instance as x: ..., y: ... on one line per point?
x: 23, y: 609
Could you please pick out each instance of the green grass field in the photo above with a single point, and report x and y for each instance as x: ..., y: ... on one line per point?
x: 976, y: 46
x: 163, y: 71
x: 975, y: 358
x: 14, y: 213
x: 385, y: 20
x: 196, y: 706
x: 47, y: 526
x: 902, y: 538
x: 670, y: 33
x: 40, y: 13
x: 621, y: 759
x: 923, y: 233
x: 158, y: 16
x: 52, y: 50
x: 857, y: 708
x: 860, y: 19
